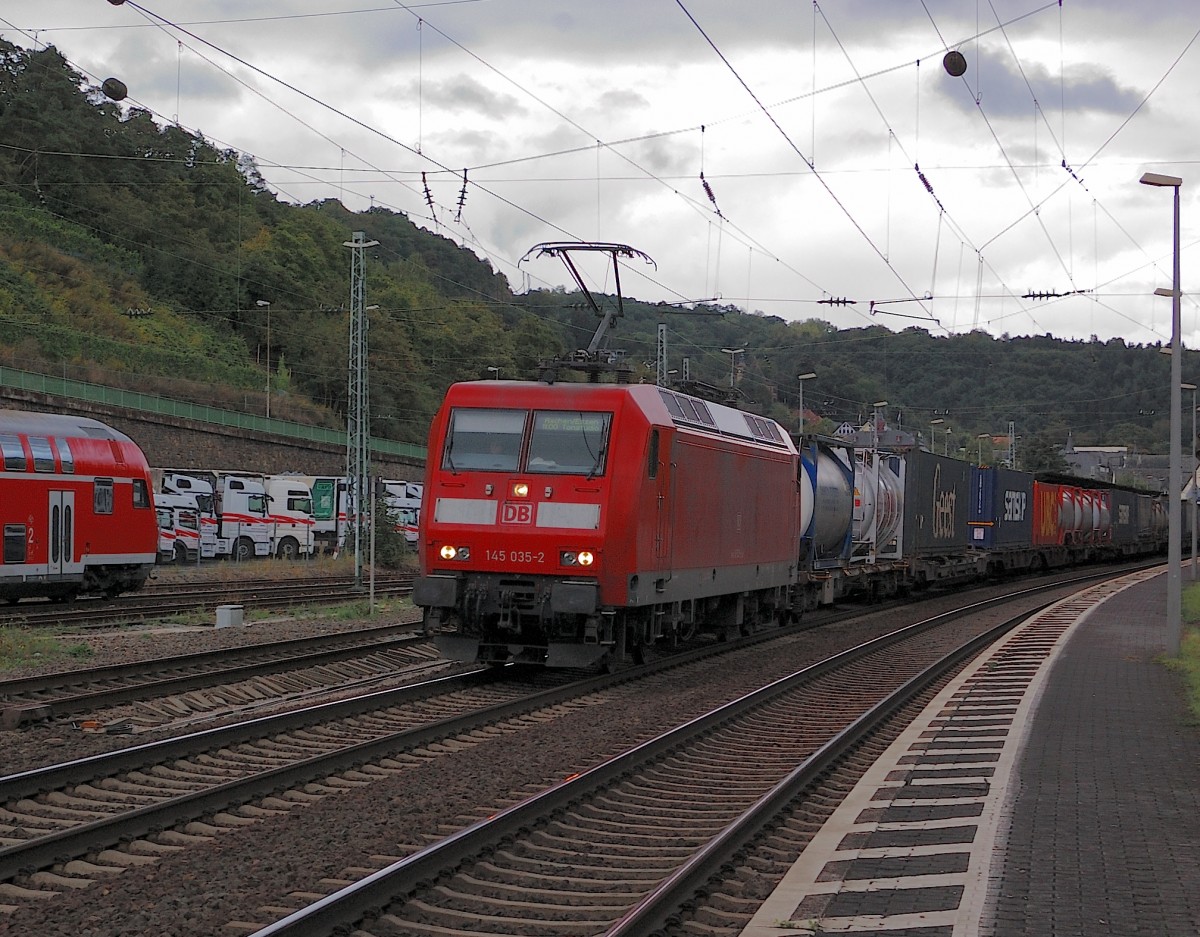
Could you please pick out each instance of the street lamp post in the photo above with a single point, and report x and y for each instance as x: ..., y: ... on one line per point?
x: 807, y: 376
x: 733, y: 353
x: 1174, y: 481
x: 949, y: 431
x: 878, y: 405
x: 494, y: 372
x: 932, y: 423
x: 981, y: 437
x: 267, y: 304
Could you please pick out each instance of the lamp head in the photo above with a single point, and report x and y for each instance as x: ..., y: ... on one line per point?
x: 1157, y: 178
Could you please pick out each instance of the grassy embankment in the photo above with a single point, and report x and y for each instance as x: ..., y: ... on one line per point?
x: 1188, y: 662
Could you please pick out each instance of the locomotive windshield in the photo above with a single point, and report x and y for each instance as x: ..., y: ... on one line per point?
x: 560, y: 442
x: 565, y: 442
x: 487, y: 440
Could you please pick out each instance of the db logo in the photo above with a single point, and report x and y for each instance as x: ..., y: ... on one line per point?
x: 516, y: 513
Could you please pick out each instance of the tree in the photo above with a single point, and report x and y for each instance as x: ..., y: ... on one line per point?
x: 1041, y: 455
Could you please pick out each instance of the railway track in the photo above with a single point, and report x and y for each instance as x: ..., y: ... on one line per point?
x: 235, y: 677
x: 67, y: 824
x: 165, y: 601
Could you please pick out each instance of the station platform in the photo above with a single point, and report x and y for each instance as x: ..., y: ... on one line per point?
x: 1052, y: 788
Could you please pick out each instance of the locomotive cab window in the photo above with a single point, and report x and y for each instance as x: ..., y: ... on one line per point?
x: 484, y: 440
x: 14, y: 453
x: 568, y: 442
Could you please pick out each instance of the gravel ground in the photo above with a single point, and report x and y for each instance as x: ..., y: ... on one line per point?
x: 198, y: 892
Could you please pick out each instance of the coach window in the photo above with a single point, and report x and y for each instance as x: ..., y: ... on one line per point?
x: 65, y: 456
x: 14, y: 543
x: 43, y: 455
x: 141, y: 494
x: 102, y: 496
x: 484, y: 440
x: 14, y: 453
x: 566, y: 442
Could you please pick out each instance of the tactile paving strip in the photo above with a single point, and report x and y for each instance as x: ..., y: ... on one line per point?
x: 908, y: 853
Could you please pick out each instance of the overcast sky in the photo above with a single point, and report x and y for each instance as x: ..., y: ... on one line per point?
x: 594, y: 119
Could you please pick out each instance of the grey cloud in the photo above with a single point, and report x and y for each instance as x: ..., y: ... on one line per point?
x: 1003, y: 92
x: 464, y: 94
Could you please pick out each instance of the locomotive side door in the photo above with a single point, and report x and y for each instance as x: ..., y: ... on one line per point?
x: 60, y: 547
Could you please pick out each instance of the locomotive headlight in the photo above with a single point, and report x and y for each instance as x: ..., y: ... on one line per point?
x: 585, y: 558
x: 520, y: 490
x: 449, y: 552
x: 576, y: 558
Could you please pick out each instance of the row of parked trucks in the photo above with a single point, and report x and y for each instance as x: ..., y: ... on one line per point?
x: 205, y: 514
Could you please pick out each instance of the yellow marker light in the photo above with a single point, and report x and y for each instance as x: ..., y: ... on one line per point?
x: 520, y: 490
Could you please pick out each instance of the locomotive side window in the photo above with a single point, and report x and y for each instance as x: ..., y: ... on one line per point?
x: 484, y: 440
x: 566, y: 442
x: 14, y: 454
x: 14, y: 543
x: 43, y: 455
x: 141, y: 495
x: 65, y: 456
x: 102, y: 496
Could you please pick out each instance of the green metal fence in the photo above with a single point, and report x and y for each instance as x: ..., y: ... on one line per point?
x: 151, y: 403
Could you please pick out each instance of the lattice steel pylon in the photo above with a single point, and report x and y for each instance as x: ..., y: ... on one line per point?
x: 358, y: 410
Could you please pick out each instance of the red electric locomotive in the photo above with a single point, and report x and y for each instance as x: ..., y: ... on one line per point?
x: 571, y: 524
x: 76, y: 508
